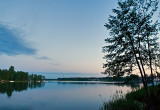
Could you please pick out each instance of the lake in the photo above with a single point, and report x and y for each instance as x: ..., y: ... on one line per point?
x: 56, y: 95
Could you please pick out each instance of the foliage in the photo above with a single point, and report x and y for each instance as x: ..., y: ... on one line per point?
x: 131, y: 29
x: 119, y: 102
x: 133, y: 43
x: 122, y: 104
x: 138, y: 95
x: 12, y: 75
x: 132, y: 79
x: 141, y: 96
x: 158, y: 74
x: 135, y: 100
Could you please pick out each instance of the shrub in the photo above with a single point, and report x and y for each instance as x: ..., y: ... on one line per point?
x: 122, y: 104
x: 138, y: 95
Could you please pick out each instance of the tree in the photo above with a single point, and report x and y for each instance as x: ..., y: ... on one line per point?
x: 133, y: 42
x: 132, y: 79
x: 11, y: 69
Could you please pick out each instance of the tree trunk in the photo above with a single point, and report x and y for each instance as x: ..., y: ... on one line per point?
x: 150, y: 64
x: 144, y: 83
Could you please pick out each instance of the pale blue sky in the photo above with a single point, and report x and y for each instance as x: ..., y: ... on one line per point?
x: 54, y: 35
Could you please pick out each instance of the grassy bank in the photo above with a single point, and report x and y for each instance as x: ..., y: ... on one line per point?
x: 135, y: 100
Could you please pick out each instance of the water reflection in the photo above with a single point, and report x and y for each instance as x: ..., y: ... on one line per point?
x: 9, y: 88
x: 133, y: 86
x: 89, y: 82
x: 57, y: 95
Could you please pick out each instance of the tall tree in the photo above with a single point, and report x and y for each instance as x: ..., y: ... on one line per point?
x: 11, y: 69
x: 133, y: 42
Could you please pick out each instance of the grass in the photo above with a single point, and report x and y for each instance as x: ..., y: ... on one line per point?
x: 122, y: 104
x: 135, y: 100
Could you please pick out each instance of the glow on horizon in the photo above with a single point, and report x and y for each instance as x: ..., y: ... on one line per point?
x: 57, y: 35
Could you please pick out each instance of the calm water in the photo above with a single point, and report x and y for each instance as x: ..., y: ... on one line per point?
x: 56, y: 95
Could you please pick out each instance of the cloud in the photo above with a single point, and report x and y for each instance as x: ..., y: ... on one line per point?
x: 56, y: 64
x: 44, y: 58
x: 12, y: 43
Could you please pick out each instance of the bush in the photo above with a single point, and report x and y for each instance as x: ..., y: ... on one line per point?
x: 138, y: 95
x: 135, y: 100
x: 122, y: 104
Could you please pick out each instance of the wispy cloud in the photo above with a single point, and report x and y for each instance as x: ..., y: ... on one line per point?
x: 12, y: 43
x: 44, y: 58
x: 56, y: 64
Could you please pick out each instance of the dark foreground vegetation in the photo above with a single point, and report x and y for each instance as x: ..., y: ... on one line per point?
x: 135, y: 100
x: 133, y: 45
x: 12, y: 75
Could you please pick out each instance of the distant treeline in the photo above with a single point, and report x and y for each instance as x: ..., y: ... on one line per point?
x: 85, y: 79
x: 12, y: 75
x: 128, y: 79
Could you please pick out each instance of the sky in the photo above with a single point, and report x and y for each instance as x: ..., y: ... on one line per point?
x: 62, y: 36
x: 53, y: 35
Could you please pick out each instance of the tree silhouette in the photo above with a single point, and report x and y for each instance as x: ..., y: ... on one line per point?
x: 133, y: 42
x: 12, y: 75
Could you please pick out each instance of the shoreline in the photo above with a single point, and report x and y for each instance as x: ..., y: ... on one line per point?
x: 84, y: 82
x: 7, y: 81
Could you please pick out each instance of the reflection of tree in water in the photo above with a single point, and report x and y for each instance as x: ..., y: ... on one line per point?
x: 134, y: 87
x: 33, y: 85
x: 9, y: 88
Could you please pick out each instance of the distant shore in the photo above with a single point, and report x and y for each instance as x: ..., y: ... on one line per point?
x: 5, y: 81
x: 86, y: 80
